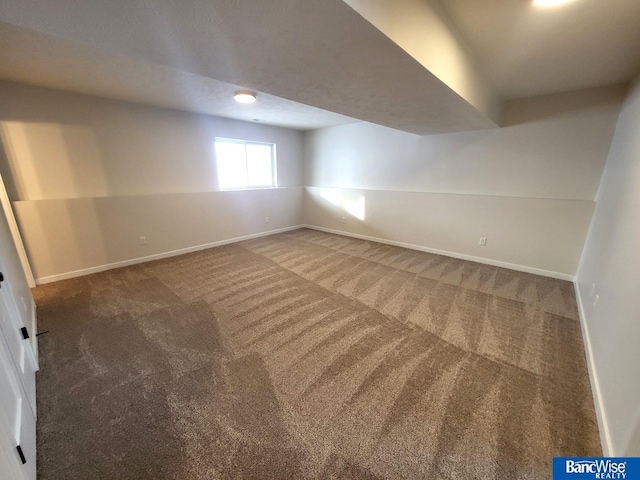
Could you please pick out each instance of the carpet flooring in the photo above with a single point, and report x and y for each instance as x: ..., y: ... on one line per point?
x: 310, y: 355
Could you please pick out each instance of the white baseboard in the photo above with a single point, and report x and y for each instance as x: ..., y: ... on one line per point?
x: 158, y: 256
x: 603, y: 426
x: 487, y: 261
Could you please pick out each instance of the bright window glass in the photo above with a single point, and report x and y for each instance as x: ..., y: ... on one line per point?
x: 243, y: 164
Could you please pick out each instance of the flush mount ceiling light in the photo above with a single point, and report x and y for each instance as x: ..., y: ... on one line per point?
x: 550, y: 3
x: 244, y: 96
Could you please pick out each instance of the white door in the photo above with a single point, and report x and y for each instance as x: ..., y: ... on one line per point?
x: 17, y: 418
x: 19, y: 341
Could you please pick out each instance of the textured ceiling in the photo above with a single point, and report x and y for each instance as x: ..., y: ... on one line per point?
x: 40, y: 59
x: 315, y: 62
x: 527, y: 50
x: 316, y: 52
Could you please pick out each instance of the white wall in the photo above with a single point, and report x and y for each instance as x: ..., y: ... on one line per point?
x: 528, y: 187
x: 610, y: 272
x: 71, y: 237
x: 76, y: 166
x: 518, y: 229
x: 63, y: 145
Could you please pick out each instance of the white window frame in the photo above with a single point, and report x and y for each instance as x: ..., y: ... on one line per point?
x: 246, y: 186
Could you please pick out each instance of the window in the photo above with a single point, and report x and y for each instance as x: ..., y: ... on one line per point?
x: 244, y: 164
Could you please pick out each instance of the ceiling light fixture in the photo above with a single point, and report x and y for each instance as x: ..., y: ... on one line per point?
x: 244, y: 96
x: 549, y: 3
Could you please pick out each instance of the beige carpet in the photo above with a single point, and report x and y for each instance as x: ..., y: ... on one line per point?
x: 310, y: 355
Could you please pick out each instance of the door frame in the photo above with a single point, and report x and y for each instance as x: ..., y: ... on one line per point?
x: 15, y: 233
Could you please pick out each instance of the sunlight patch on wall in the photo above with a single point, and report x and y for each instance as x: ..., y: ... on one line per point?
x: 353, y: 203
x: 49, y: 160
x: 20, y: 159
x: 62, y: 235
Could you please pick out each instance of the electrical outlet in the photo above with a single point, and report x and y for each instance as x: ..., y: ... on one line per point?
x: 483, y: 241
x: 266, y: 219
x: 595, y: 301
x: 593, y: 290
x: 143, y: 240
